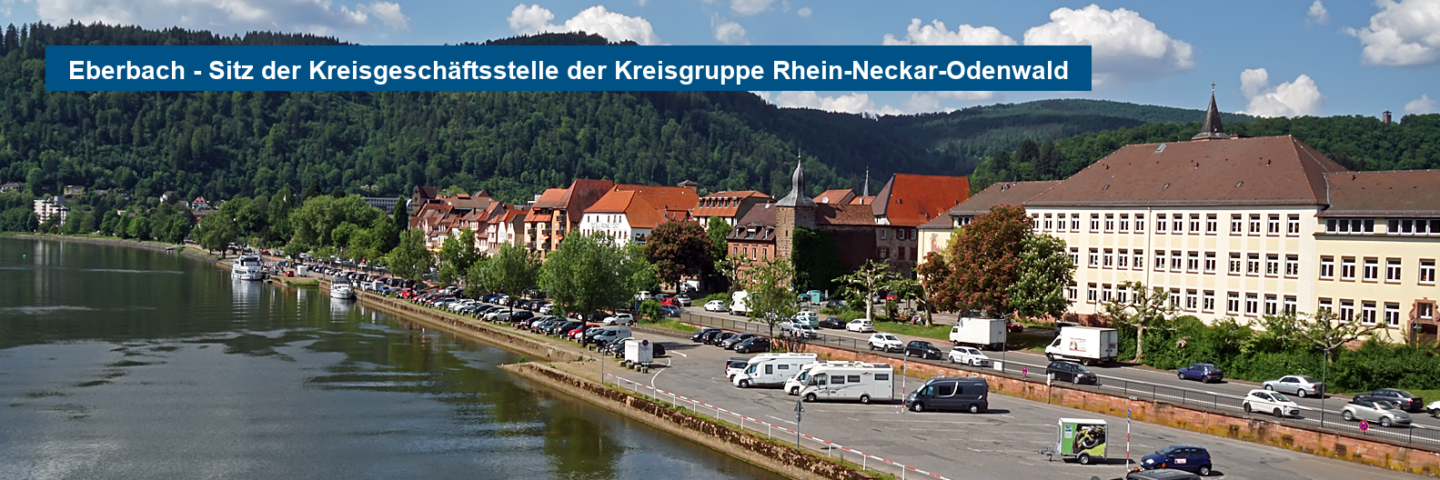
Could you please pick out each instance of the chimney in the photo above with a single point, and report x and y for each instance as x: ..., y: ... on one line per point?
x: 1385, y: 117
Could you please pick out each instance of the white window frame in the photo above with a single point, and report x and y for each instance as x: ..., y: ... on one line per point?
x: 1367, y: 312
x: 1327, y: 267
x: 1232, y: 303
x: 1371, y: 272
x: 1207, y: 301
x: 1210, y: 262
x: 1347, y: 268
x: 1392, y: 270
x: 1427, y: 271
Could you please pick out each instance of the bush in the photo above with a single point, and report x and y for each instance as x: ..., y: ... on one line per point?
x: 1379, y: 365
x: 714, y: 296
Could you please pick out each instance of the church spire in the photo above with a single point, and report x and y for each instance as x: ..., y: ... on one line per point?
x: 865, y: 190
x: 1211, y: 129
x: 797, y: 196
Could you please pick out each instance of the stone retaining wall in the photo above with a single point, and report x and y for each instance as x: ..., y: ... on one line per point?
x: 1367, y: 451
x: 776, y: 457
x: 514, y: 341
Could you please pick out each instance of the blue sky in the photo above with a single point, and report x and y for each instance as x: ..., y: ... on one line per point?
x: 1273, y: 58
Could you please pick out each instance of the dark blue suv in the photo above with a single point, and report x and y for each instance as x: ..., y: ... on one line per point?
x: 1179, y: 457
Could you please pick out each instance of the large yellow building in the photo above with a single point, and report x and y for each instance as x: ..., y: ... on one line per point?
x: 1240, y: 227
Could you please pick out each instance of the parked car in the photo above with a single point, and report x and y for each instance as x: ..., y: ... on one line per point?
x: 1204, y: 372
x: 833, y: 323
x: 860, y: 325
x: 922, y: 349
x: 670, y: 311
x: 715, y: 306
x: 1061, y: 371
x: 699, y: 336
x: 1433, y: 408
x: 1385, y: 413
x: 683, y: 300
x: 1161, y: 474
x: 710, y: 336
x: 1014, y: 326
x: 754, y: 344
x: 1299, y: 385
x: 1179, y: 457
x: 1405, y: 400
x: 969, y: 356
x: 886, y: 342
x: 729, y: 343
x: 720, y: 338
x: 1274, y: 403
x: 803, y: 331
x: 619, y: 319
x: 734, y: 366
x: 970, y: 394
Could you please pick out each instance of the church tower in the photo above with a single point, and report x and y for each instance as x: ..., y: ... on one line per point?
x: 796, y: 210
x: 1211, y: 129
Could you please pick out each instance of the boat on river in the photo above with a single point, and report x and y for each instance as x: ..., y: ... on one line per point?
x: 342, y: 289
x: 247, y: 267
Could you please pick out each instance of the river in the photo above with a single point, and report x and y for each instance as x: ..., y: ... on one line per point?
x: 126, y: 363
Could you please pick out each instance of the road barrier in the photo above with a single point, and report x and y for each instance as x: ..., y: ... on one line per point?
x: 828, y: 448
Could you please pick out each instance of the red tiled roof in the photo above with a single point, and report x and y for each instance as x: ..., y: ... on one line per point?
x: 668, y: 198
x: 826, y: 214
x: 724, y: 204
x: 581, y: 194
x: 550, y: 199
x: 841, y: 196
x: 911, y: 200
x: 613, y: 202
x: 863, y: 200
x: 1409, y: 193
x: 641, y: 214
x: 1244, y: 171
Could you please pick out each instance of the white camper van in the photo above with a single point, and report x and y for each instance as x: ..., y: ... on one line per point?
x: 797, y: 382
x: 866, y: 383
x: 737, y: 303
x: 771, y: 369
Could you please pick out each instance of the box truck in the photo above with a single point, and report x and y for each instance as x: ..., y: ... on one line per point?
x: 771, y: 369
x: 1088, y: 345
x: 737, y: 303
x: 1081, y: 439
x: 865, y: 383
x: 979, y: 332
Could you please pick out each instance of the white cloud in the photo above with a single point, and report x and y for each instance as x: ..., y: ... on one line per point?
x: 731, y: 33
x: 528, y: 19
x: 855, y: 102
x: 321, y: 17
x: 1318, y: 14
x: 1402, y: 34
x: 750, y: 7
x: 936, y: 34
x: 804, y: 12
x: 1290, y: 99
x: 1420, y: 105
x: 1125, y: 45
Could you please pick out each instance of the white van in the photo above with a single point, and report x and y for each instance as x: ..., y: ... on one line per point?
x: 737, y: 303
x: 611, y: 334
x: 771, y: 369
x: 797, y: 382
x: 866, y: 383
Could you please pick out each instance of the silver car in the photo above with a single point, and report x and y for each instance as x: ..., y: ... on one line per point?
x: 1299, y: 385
x: 1385, y: 413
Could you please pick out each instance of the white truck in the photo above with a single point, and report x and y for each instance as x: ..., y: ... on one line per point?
x: 737, y: 303
x: 771, y: 369
x: 639, y: 352
x: 865, y: 383
x: 1087, y: 345
x: 979, y: 332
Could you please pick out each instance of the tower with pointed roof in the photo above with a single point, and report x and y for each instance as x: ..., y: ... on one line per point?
x: 1211, y: 129
x: 796, y: 210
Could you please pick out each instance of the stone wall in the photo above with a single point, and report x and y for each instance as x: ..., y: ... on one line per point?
x: 777, y: 457
x: 1334, y: 445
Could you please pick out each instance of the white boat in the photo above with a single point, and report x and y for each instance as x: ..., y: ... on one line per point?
x: 247, y: 268
x: 342, y: 289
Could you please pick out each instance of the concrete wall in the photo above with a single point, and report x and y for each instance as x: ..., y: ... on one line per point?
x: 1345, y: 447
x: 777, y: 457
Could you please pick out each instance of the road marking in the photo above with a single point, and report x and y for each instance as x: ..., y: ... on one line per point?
x: 781, y: 419
x: 659, y: 371
x: 682, y: 354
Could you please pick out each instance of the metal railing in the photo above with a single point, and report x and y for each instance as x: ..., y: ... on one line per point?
x: 1310, y: 418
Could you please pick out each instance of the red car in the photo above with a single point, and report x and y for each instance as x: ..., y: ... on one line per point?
x: 1014, y: 327
x: 669, y: 301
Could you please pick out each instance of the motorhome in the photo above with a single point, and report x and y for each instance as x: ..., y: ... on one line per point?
x: 737, y: 303
x: 771, y: 369
x: 865, y: 383
x: 797, y: 382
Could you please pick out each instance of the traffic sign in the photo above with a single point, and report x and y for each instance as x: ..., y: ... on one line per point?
x: 1024, y: 370
x: 1364, y: 425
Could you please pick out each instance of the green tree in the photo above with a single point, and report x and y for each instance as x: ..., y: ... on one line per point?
x: 679, y: 249
x: 410, y: 260
x: 650, y: 311
x: 456, y: 255
x: 717, y: 229
x: 732, y: 267
x: 216, y: 232
x: 87, y: 224
x: 865, y: 282
x: 278, y: 215
x: 400, y: 216
x: 1045, y: 272
x: 589, y: 273
x: 139, y: 228
x: 1143, y: 309
x: 768, y: 293
x: 1325, y: 330
x: 816, y: 260
x: 907, y: 289
x: 513, y: 270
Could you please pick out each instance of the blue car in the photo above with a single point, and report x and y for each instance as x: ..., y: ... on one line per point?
x: 1179, y: 457
x: 1204, y: 372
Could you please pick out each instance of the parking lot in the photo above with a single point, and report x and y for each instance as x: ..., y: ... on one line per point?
x: 1003, y: 443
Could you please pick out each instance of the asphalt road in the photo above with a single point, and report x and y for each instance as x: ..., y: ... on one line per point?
x: 1002, y: 443
x: 1145, y: 382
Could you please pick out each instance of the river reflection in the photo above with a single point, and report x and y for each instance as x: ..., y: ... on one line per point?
x: 121, y: 363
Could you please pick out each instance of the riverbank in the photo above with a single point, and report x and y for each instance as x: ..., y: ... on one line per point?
x: 187, y: 251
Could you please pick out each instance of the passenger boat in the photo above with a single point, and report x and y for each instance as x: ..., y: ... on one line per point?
x: 247, y: 268
x: 342, y: 289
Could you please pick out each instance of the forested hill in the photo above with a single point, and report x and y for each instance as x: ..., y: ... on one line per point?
x: 227, y: 144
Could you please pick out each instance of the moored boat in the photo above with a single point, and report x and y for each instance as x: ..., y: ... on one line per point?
x: 247, y: 267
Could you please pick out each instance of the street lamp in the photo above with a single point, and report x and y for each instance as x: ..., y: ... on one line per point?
x: 1324, y: 371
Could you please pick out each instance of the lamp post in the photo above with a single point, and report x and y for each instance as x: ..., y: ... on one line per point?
x: 1325, y: 381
